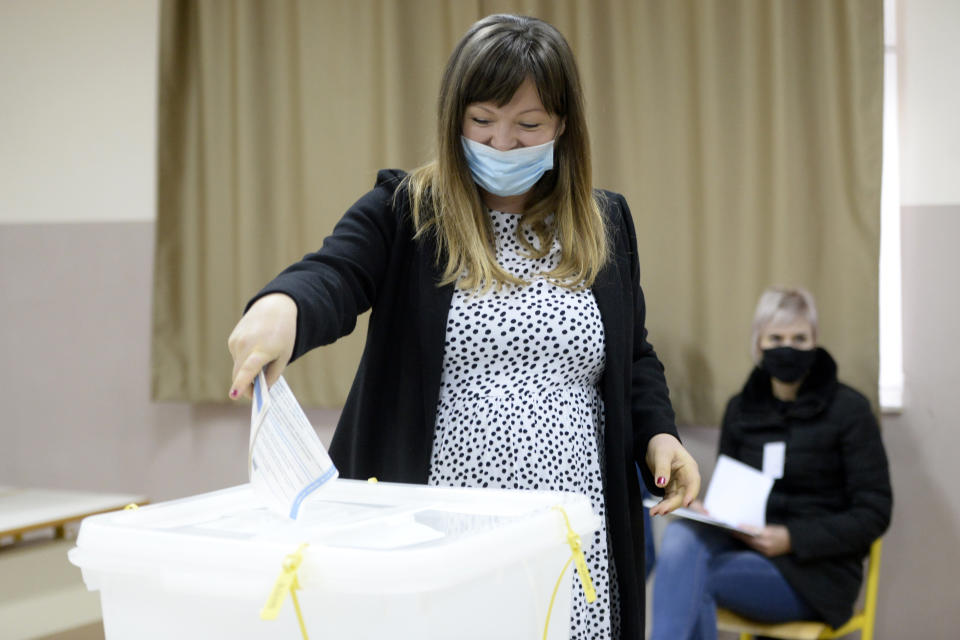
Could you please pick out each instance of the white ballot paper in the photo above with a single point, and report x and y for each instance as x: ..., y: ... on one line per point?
x: 690, y: 514
x: 737, y: 495
x: 287, y: 460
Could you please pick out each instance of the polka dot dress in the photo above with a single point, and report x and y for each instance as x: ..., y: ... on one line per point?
x: 519, y: 406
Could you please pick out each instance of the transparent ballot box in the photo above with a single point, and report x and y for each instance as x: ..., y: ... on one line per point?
x: 371, y: 560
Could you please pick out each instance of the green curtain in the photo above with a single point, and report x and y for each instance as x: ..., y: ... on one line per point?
x: 746, y: 136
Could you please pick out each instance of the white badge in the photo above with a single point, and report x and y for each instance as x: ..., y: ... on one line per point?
x: 773, y: 455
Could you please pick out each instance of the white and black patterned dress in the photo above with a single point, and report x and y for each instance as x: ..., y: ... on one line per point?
x: 519, y: 406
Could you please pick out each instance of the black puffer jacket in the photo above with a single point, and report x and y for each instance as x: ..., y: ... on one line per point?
x: 834, y: 496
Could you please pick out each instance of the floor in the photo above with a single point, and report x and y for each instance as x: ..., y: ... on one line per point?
x: 42, y: 595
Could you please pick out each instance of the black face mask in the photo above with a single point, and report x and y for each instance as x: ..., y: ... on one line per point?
x: 786, y: 363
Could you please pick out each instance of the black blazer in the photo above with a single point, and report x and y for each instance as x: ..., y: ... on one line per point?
x: 372, y: 261
x: 834, y: 496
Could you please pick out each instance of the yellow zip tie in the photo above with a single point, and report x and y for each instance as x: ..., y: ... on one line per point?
x: 296, y: 607
x: 575, y: 546
x: 286, y: 581
x: 131, y: 506
x: 574, y: 541
x: 553, y: 596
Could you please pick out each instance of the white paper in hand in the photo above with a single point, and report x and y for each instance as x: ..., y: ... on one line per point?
x: 287, y: 461
x: 691, y: 514
x: 738, y: 493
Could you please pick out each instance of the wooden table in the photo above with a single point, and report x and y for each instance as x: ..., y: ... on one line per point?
x: 26, y: 510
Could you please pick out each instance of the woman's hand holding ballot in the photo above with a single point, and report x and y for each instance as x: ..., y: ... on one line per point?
x: 674, y: 470
x: 264, y: 337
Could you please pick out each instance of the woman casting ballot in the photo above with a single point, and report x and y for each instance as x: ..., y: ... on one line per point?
x: 506, y: 343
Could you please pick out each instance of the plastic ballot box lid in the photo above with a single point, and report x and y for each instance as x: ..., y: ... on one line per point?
x: 363, y: 538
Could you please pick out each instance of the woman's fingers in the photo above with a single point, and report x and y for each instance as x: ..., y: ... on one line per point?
x: 688, y: 478
x: 275, y: 370
x: 660, y: 454
x: 697, y: 506
x: 264, y: 337
x: 675, y: 470
x: 665, y: 506
x: 248, y: 370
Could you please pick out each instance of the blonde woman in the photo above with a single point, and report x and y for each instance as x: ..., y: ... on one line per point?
x: 506, y: 344
x: 831, y: 498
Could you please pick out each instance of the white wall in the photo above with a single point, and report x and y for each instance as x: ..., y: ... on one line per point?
x: 78, y: 80
x: 78, y: 112
x: 918, y: 579
x: 929, y: 101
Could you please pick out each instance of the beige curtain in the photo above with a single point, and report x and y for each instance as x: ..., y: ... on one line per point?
x: 746, y: 136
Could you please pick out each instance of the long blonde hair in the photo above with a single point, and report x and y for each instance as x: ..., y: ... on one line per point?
x: 488, y: 64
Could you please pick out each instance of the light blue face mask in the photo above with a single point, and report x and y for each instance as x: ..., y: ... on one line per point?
x: 507, y: 173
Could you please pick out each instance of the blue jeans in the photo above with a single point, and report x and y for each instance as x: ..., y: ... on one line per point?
x: 649, y: 549
x: 700, y: 567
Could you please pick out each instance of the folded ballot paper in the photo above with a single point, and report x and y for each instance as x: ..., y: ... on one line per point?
x: 287, y: 460
x: 737, y: 496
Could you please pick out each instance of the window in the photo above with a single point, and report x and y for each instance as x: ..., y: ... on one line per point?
x: 891, y: 325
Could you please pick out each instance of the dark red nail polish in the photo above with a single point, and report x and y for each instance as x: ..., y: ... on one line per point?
x: 233, y: 393
x: 661, y: 481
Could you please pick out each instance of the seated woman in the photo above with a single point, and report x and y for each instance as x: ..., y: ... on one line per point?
x: 830, y: 501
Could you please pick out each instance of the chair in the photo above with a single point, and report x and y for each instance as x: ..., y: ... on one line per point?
x: 863, y: 620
